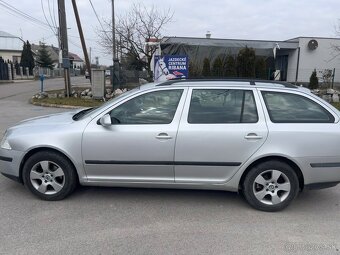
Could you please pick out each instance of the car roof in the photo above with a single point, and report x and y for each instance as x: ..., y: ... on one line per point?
x: 228, y: 82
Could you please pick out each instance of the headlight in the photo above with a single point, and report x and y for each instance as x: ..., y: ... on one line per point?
x: 5, y: 143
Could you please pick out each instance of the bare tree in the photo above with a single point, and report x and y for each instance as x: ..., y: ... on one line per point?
x: 336, y: 47
x: 133, y: 29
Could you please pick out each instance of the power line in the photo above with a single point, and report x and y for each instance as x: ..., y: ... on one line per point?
x: 51, y: 16
x: 75, y: 44
x: 21, y: 13
x: 94, y: 10
x: 54, y: 16
x: 20, y: 17
x: 51, y: 27
x: 88, y: 39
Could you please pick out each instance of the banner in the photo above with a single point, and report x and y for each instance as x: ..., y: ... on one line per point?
x: 170, y: 67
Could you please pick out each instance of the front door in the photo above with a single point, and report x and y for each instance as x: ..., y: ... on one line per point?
x: 139, y: 145
x: 219, y: 130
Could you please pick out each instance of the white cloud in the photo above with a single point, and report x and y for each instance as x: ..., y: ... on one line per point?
x: 244, y: 19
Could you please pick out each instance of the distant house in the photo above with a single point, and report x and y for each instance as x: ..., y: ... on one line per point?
x: 75, y: 61
x: 10, y: 47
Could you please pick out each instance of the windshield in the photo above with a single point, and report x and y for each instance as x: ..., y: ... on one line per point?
x: 88, y: 111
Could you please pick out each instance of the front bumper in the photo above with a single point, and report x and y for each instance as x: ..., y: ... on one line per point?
x: 10, y: 161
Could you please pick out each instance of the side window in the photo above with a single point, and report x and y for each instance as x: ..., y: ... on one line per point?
x: 158, y: 107
x: 222, y: 106
x: 292, y: 108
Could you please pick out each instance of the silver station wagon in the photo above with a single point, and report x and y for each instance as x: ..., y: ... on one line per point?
x: 266, y: 140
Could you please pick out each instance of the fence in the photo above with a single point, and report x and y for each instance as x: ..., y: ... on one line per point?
x: 327, y: 77
x: 132, y: 76
x: 4, y: 74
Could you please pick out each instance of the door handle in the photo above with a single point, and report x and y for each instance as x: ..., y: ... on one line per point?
x: 253, y: 136
x: 163, y: 136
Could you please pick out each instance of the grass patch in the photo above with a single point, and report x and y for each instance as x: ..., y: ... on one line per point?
x: 336, y: 105
x: 70, y: 101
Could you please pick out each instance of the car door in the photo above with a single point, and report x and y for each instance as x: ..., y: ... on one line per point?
x: 139, y: 146
x: 304, y: 128
x: 220, y: 129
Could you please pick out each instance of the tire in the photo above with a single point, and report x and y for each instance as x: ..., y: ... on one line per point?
x: 270, y: 186
x: 49, y: 175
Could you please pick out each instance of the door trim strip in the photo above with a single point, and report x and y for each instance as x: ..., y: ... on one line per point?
x: 335, y: 164
x: 176, y: 163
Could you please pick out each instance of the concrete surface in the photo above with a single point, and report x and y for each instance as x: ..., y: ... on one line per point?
x: 145, y: 221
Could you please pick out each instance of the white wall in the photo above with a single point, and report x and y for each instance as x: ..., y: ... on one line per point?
x: 6, y: 54
x: 292, y: 64
x: 323, y: 57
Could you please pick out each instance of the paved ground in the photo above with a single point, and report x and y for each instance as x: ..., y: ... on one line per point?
x: 146, y: 221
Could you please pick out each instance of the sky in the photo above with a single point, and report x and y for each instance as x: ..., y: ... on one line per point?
x: 237, y: 19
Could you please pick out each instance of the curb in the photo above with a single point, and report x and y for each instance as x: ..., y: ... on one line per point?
x: 55, y: 105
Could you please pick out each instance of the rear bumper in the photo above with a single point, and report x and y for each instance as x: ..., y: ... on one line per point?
x: 10, y: 161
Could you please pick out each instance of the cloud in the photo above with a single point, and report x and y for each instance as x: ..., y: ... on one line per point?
x: 244, y: 19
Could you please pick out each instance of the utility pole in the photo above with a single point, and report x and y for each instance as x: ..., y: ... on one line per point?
x: 59, y: 52
x: 64, y: 46
x: 90, y: 56
x: 83, y: 44
x: 115, y: 68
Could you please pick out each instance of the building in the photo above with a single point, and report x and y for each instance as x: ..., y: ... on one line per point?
x: 294, y: 60
x: 10, y: 47
x: 75, y: 61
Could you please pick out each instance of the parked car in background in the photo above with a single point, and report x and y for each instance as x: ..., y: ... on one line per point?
x: 107, y: 73
x: 267, y: 140
x: 87, y: 75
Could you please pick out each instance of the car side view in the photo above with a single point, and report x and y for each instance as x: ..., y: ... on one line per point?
x: 267, y: 140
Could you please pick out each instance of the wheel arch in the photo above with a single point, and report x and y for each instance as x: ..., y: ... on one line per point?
x: 38, y: 149
x: 291, y: 163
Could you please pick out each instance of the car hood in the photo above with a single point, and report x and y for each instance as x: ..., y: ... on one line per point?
x: 52, y: 119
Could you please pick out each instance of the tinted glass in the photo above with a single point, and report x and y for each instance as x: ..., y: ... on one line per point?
x: 222, y: 106
x: 157, y: 107
x: 292, y: 108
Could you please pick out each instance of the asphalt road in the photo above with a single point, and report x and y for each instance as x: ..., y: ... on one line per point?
x: 153, y: 221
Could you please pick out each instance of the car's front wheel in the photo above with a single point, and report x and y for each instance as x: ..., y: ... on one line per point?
x: 270, y: 186
x: 49, y: 175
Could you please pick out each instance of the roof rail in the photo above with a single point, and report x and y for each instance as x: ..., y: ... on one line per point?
x: 251, y: 81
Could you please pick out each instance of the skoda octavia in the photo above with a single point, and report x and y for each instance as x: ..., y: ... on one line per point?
x: 265, y: 140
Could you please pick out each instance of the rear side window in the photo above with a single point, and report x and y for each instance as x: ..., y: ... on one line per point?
x: 222, y: 106
x: 292, y: 108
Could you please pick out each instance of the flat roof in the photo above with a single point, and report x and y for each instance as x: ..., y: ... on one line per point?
x: 230, y: 43
x: 312, y: 37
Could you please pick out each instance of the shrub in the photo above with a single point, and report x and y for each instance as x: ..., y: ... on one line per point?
x: 206, y: 68
x: 230, y: 67
x: 217, y: 68
x: 313, y: 81
x: 246, y: 63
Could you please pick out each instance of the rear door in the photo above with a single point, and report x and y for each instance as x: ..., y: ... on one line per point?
x: 304, y: 128
x: 220, y: 129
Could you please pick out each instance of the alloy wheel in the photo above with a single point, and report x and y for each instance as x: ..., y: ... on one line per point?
x: 271, y: 187
x: 47, y: 177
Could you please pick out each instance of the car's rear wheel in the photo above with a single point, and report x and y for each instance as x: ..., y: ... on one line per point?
x: 49, y: 175
x: 270, y: 186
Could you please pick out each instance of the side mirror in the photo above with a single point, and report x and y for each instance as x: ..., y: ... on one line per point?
x: 105, y: 121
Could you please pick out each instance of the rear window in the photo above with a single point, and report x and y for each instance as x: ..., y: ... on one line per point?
x: 291, y: 108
